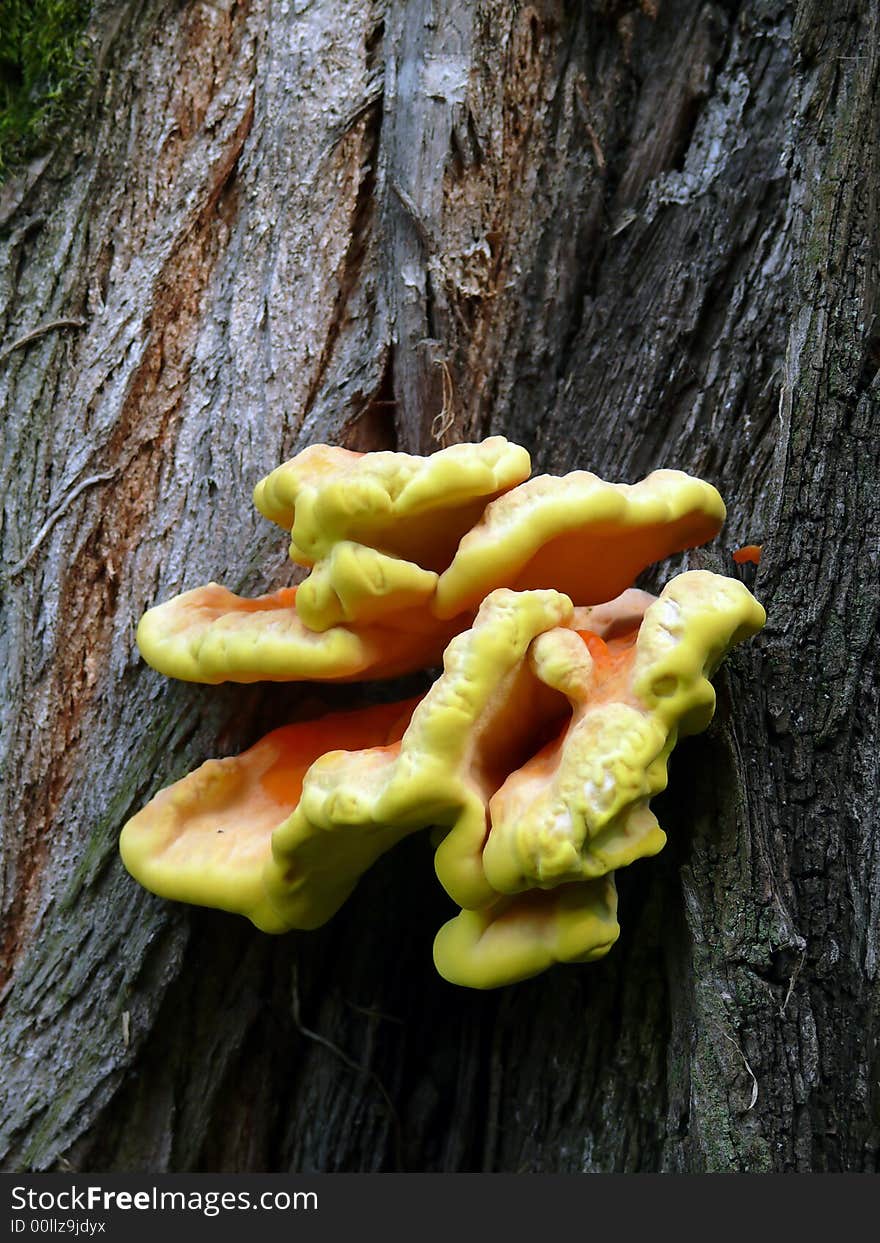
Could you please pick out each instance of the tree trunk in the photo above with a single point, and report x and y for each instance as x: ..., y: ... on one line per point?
x: 626, y: 235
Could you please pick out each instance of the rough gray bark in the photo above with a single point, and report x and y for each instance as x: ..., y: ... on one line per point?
x: 624, y: 234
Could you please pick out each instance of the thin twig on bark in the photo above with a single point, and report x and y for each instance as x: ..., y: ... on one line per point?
x: 40, y: 331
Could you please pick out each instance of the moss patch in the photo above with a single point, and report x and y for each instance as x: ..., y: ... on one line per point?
x: 45, y: 65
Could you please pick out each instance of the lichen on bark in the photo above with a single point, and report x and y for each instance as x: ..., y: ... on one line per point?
x: 46, y: 68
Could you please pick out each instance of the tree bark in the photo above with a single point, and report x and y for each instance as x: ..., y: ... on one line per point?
x: 626, y: 235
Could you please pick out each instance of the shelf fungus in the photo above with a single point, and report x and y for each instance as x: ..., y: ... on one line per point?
x: 580, y: 535
x: 577, y: 810
x: 373, y: 529
x: 533, y: 757
x: 211, y: 635
x: 209, y: 838
x: 412, y: 511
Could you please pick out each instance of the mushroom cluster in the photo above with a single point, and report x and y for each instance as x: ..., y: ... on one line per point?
x: 534, y: 755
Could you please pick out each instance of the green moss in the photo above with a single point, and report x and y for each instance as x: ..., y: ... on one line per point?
x: 45, y: 65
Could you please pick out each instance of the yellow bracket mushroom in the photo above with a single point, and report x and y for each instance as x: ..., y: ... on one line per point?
x: 533, y: 756
x: 211, y: 635
x: 402, y: 550
x: 578, y: 809
x: 208, y: 839
x: 373, y: 528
